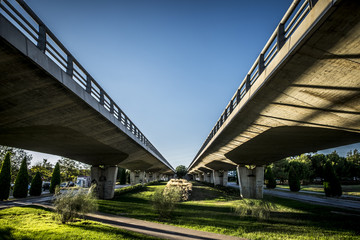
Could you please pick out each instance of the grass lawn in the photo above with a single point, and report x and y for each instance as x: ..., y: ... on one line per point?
x: 37, y: 223
x: 211, y: 210
x: 353, y: 190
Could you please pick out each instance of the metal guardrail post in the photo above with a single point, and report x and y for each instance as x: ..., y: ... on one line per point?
x: 41, y: 44
x: 102, y: 98
x: 280, y: 36
x: 312, y: 3
x: 88, y: 84
x: 261, y: 63
x: 70, y: 65
x: 111, y: 107
x: 247, y: 83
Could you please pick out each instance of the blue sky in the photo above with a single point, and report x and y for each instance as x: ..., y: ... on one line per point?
x: 171, y: 65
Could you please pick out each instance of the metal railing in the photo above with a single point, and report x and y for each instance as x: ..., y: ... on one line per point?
x: 296, y: 13
x: 22, y: 16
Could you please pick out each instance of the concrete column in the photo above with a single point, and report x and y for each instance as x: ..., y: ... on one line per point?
x: 202, y: 176
x: 132, y: 178
x: 225, y: 178
x: 211, y: 177
x: 251, y: 182
x: 105, y: 179
x: 141, y: 178
x: 216, y: 177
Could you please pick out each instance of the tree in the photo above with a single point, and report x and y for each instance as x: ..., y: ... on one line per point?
x: 55, y: 178
x: 280, y: 170
x: 122, y: 175
x: 294, y: 182
x: 45, y: 169
x: 302, y: 166
x: 22, y: 181
x: 353, y: 157
x: 181, y: 171
x: 36, y: 185
x: 17, y: 156
x: 332, y: 185
x: 70, y: 169
x: 269, y: 178
x: 5, y: 178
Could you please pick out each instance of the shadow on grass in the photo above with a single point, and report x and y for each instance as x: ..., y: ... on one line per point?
x: 6, y: 233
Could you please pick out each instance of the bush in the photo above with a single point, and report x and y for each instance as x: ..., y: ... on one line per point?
x: 164, y: 200
x: 5, y: 178
x: 259, y: 209
x: 294, y: 182
x: 55, y: 178
x: 269, y: 179
x: 122, y: 176
x: 22, y: 181
x: 36, y: 185
x: 75, y: 203
x: 133, y: 189
x: 332, y: 186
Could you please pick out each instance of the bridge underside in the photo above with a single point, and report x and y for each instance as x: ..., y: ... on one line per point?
x: 43, y: 109
x: 303, y: 102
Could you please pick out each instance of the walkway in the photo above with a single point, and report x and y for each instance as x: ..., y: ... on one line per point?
x: 145, y: 227
x: 314, y: 199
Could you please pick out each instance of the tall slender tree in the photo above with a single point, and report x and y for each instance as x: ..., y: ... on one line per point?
x: 55, y: 178
x: 269, y: 178
x: 294, y: 182
x: 5, y: 178
x: 36, y: 184
x: 21, y: 186
x: 332, y: 186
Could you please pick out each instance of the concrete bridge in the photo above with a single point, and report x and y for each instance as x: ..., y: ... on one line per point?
x: 301, y: 95
x: 50, y: 103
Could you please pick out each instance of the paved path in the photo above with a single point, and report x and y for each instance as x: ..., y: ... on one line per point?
x: 311, y: 198
x: 135, y: 225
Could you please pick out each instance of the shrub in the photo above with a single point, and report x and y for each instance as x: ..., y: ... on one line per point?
x: 294, y: 182
x: 269, y: 179
x: 36, y: 185
x: 22, y: 181
x: 259, y: 209
x: 122, y: 176
x: 55, y: 178
x: 183, y: 186
x: 332, y: 186
x: 5, y: 178
x: 75, y: 203
x: 164, y: 200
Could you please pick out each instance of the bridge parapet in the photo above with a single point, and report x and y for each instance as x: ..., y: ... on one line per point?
x: 294, y: 16
x: 22, y: 16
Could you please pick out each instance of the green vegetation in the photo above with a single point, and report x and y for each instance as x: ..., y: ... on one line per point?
x: 22, y: 181
x: 212, y: 209
x: 269, y: 179
x: 36, y: 185
x: 310, y: 167
x: 180, y: 171
x: 74, y: 204
x: 352, y: 190
x: 17, y: 156
x: 38, y: 223
x: 55, y: 178
x: 164, y: 200
x: 121, y: 176
x: 294, y: 182
x: 5, y: 178
x: 332, y: 185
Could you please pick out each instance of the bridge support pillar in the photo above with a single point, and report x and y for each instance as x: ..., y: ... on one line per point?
x: 251, y: 181
x: 202, y: 176
x: 220, y: 177
x: 105, y: 179
x: 136, y: 177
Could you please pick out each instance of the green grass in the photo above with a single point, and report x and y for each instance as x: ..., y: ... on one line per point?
x: 37, y: 223
x: 353, y: 190
x: 211, y: 210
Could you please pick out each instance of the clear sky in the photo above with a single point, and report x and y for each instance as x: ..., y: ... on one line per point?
x: 171, y: 65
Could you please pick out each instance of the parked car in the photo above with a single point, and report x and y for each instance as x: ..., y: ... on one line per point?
x: 46, y: 186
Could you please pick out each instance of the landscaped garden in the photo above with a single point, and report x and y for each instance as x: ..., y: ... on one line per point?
x: 37, y: 223
x: 221, y: 211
